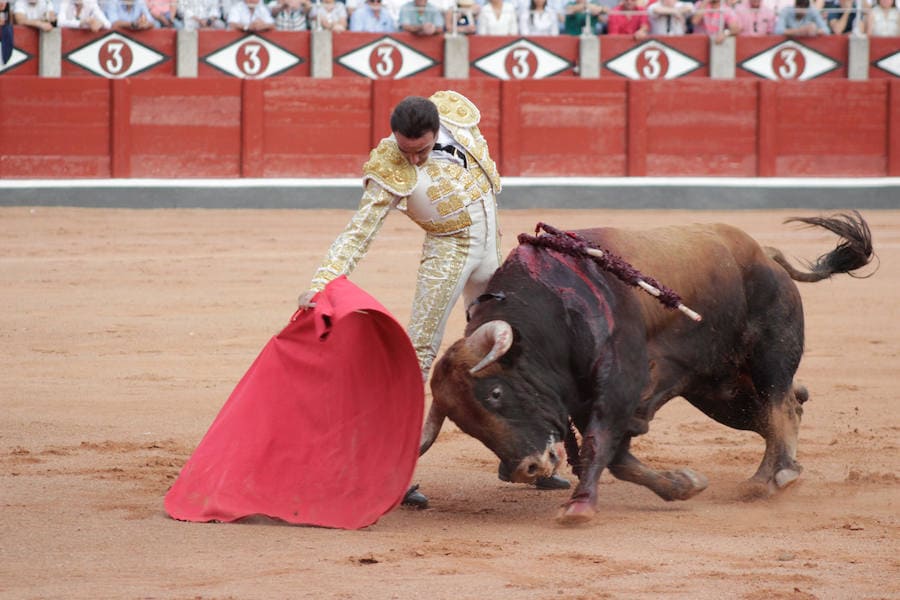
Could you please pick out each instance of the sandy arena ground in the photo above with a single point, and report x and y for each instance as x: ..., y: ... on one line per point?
x: 126, y: 330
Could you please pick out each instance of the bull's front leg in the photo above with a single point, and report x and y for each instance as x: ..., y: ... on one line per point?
x: 598, y: 446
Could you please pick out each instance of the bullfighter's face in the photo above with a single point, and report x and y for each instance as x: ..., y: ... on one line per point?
x: 416, y: 150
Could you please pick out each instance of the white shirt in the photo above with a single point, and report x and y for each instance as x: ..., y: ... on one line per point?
x: 663, y: 24
x: 200, y: 9
x: 545, y: 22
x: 36, y: 11
x: 240, y: 14
x: 70, y: 17
x: 490, y: 24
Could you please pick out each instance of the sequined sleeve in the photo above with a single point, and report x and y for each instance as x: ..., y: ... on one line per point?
x: 353, y: 243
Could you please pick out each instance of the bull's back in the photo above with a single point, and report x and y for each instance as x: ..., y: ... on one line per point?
x: 705, y: 264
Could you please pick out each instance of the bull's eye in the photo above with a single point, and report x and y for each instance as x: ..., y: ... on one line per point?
x: 493, y: 398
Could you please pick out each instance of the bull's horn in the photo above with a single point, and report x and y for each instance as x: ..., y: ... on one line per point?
x: 431, y: 428
x: 496, y: 335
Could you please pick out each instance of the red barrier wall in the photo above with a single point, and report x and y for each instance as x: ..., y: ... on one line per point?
x: 151, y: 56
x: 623, y: 57
x: 824, y: 128
x: 379, y: 56
x: 707, y: 128
x: 792, y: 59
x: 563, y: 126
x: 301, y: 127
x: 236, y: 54
x: 508, y: 58
x: 55, y: 128
x: 177, y: 127
x: 308, y: 127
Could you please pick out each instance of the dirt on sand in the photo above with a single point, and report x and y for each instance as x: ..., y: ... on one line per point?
x: 125, y: 331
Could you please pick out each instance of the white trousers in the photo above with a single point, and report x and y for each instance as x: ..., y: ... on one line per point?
x: 452, y: 266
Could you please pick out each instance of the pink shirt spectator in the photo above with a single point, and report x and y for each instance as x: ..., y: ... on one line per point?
x: 755, y: 18
x: 712, y: 17
x: 620, y: 22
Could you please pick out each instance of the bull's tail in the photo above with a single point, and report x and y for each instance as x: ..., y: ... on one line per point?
x: 852, y: 252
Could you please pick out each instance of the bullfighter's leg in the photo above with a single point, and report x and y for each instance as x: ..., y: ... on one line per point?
x: 679, y: 484
x: 780, y: 426
x: 450, y: 266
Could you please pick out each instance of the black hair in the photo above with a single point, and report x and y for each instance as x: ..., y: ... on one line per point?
x: 415, y: 116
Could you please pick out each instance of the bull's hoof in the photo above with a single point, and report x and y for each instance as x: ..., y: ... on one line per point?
x: 575, y: 513
x: 786, y: 477
x: 554, y: 482
x: 415, y: 498
x: 683, y: 484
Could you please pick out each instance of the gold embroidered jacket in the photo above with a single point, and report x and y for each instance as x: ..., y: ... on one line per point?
x: 435, y: 195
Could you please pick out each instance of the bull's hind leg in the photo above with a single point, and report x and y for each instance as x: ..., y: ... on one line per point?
x: 679, y: 484
x: 780, y: 427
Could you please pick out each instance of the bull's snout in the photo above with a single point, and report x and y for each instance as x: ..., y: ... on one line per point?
x: 537, y: 465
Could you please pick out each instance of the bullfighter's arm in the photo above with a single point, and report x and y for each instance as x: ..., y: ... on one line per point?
x: 353, y: 243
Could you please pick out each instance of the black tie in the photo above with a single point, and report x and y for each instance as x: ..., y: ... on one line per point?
x: 453, y: 150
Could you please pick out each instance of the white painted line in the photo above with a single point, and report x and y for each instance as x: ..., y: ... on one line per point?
x: 511, y: 182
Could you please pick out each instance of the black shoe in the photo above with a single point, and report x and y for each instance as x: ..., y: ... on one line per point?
x: 554, y: 482
x: 415, y: 498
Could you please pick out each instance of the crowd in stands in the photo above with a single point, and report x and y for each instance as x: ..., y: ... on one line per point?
x: 717, y: 19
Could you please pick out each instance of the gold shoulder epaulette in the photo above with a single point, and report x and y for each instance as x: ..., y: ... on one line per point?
x: 390, y: 169
x: 456, y: 108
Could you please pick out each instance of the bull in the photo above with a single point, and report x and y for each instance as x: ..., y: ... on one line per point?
x: 559, y: 349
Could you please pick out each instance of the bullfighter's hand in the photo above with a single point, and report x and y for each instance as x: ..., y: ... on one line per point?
x: 305, y: 300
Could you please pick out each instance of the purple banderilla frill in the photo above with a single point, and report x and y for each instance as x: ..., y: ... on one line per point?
x: 573, y: 244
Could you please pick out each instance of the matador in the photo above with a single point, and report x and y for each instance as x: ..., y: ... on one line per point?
x: 435, y: 167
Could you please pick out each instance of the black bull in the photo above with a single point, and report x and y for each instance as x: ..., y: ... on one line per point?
x: 562, y: 350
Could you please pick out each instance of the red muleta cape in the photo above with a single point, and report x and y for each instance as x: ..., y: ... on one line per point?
x: 323, y: 429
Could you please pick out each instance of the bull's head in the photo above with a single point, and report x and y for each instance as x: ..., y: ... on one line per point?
x: 498, y: 402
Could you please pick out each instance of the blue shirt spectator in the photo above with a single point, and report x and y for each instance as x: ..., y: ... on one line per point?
x: 421, y: 18
x: 800, y: 20
x: 372, y: 17
x: 130, y: 14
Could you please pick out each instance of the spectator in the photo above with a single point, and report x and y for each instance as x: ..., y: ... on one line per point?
x: 330, y: 15
x: 801, y: 20
x: 164, y: 13
x: 715, y: 20
x: 38, y: 14
x: 755, y: 18
x: 841, y: 16
x: 628, y: 19
x: 883, y: 19
x: 250, y: 15
x: 291, y: 15
x: 498, y: 18
x: 373, y: 18
x: 669, y: 17
x: 78, y: 14
x: 130, y: 14
x: 464, y: 17
x: 393, y: 7
x: 539, y: 20
x: 202, y: 14
x: 577, y: 13
x: 419, y: 17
